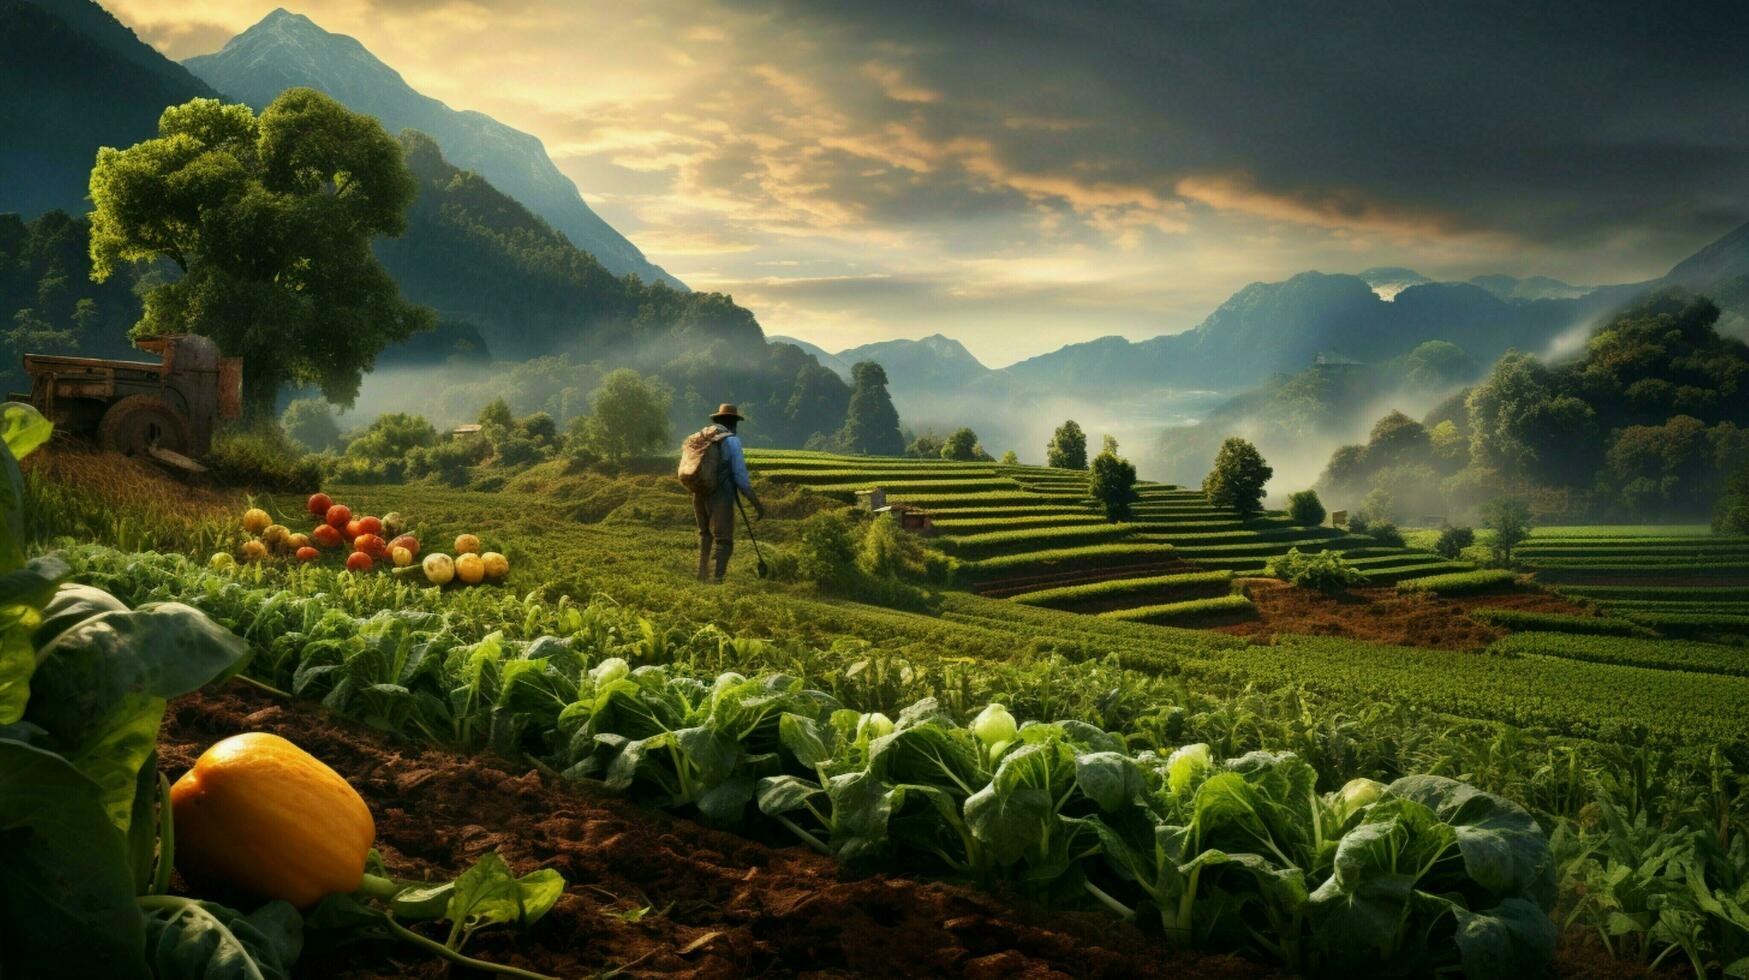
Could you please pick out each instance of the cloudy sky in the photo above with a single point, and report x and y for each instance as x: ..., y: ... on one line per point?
x: 1026, y: 174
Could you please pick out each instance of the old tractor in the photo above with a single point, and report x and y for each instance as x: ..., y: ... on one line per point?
x: 166, y: 410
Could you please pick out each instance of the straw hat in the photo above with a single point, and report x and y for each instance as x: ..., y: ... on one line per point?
x: 727, y: 411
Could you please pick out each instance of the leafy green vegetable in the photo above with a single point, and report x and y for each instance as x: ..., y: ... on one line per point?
x: 65, y: 887
x: 187, y: 939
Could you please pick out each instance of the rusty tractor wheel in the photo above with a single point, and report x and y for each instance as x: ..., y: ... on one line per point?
x: 139, y: 422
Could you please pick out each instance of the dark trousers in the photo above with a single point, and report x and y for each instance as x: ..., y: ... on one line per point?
x: 715, y: 514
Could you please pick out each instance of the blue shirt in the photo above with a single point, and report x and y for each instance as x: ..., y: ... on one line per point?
x: 737, y: 462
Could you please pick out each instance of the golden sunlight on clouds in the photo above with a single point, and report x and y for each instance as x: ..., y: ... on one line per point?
x: 837, y: 186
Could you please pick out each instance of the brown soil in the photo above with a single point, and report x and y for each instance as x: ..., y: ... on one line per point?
x: 725, y: 906
x: 1386, y: 615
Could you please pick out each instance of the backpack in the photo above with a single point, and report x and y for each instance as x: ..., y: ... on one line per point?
x: 702, y: 461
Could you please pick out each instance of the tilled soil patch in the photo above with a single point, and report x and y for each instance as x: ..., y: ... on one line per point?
x: 1386, y: 615
x: 723, y: 905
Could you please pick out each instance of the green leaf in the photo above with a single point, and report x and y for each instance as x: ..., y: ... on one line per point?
x: 71, y: 604
x: 65, y: 892
x: 188, y: 939
x: 17, y: 663
x: 1503, y: 849
x: 1512, y: 939
x: 101, y: 686
x: 1012, y: 815
x: 23, y: 428
x: 804, y: 739
x: 489, y: 894
x: 781, y: 794
x: 1110, y: 779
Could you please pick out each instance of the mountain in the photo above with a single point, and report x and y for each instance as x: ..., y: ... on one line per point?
x: 1270, y: 328
x: 826, y: 359
x: 73, y: 79
x: 1535, y: 287
x: 474, y: 254
x: 285, y: 50
x: 932, y: 363
x: 497, y: 273
x: 1723, y: 260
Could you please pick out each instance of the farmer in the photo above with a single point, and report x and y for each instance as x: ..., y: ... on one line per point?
x: 715, y: 508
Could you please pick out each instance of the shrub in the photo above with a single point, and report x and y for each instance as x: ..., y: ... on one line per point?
x: 309, y: 422
x: 1305, y: 509
x: 447, y: 462
x: 391, y: 435
x: 1238, y: 477
x: 1386, y: 534
x: 1010, y: 458
x: 1509, y: 519
x: 1452, y: 542
x: 1112, y: 483
x: 1324, y: 571
x: 261, y: 456
x: 962, y: 445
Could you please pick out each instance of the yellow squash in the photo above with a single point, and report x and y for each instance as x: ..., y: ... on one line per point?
x: 262, y: 815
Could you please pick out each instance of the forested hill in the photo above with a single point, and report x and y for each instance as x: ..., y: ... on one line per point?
x: 285, y: 50
x: 73, y: 79
x: 473, y: 253
x: 478, y: 257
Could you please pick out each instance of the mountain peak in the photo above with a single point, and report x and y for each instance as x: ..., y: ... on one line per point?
x: 289, y: 50
x: 1725, y: 258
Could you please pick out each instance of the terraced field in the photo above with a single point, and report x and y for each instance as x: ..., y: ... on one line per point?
x: 1679, y: 581
x: 1031, y: 534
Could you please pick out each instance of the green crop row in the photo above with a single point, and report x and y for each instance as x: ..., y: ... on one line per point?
x: 1657, y: 654
x: 1620, y: 530
x: 1183, y: 612
x: 1691, y: 592
x: 1460, y: 583
x: 989, y: 545
x: 1061, y: 559
x: 1692, y: 623
x: 963, y: 526
x: 1522, y: 621
x: 1641, y: 562
x: 1559, y: 697
x: 1070, y: 595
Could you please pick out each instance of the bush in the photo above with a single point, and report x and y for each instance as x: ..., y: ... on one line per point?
x: 448, y: 462
x: 1305, y: 509
x: 391, y: 435
x: 962, y: 445
x: 1324, y: 571
x: 1452, y: 542
x: 1509, y: 518
x: 1112, y: 483
x: 260, y: 456
x: 309, y: 422
x: 1386, y: 534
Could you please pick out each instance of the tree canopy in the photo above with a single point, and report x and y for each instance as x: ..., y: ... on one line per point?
x: 1068, y: 447
x: 628, y: 417
x: 871, y: 424
x: 269, y: 222
x: 1238, y: 477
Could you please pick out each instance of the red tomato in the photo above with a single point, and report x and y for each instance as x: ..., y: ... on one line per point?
x: 319, y: 504
x: 370, y: 544
x: 326, y: 536
x: 407, y: 541
x: 353, y: 530
x: 338, y: 515
x: 370, y: 525
x: 307, y: 553
x: 358, y: 561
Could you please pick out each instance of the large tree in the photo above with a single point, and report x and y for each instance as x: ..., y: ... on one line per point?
x: 1238, y: 477
x: 629, y: 416
x: 269, y: 223
x: 1068, y: 447
x: 871, y: 425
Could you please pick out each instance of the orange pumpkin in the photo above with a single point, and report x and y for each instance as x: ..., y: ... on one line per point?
x: 262, y: 815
